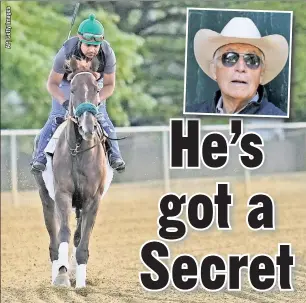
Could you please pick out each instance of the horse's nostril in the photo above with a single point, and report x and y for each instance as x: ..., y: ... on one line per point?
x: 90, y: 132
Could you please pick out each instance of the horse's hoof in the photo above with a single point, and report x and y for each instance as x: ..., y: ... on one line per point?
x: 62, y: 280
x: 80, y: 286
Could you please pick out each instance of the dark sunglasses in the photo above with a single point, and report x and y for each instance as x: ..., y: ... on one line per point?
x: 252, y: 61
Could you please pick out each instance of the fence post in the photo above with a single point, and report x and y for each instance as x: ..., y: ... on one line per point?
x: 166, y: 161
x: 14, y: 176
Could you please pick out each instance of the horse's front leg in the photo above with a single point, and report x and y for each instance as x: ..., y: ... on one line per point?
x: 63, y: 201
x: 89, y: 214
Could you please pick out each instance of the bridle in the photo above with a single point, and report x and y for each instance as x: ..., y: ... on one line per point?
x: 77, y: 112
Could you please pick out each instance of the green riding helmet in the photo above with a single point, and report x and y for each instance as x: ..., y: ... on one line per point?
x: 91, y: 30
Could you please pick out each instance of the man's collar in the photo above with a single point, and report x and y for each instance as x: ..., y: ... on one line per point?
x: 219, y: 106
x: 256, y: 100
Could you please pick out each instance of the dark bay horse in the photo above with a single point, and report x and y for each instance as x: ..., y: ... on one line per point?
x: 80, y: 168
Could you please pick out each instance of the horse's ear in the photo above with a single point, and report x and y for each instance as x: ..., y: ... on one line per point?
x: 95, y: 64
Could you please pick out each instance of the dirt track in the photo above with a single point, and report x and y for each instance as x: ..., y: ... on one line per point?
x: 125, y: 222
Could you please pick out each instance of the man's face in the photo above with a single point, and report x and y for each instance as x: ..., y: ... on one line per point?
x: 238, y: 82
x: 89, y: 50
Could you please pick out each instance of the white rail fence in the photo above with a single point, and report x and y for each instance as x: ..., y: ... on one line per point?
x: 275, y: 129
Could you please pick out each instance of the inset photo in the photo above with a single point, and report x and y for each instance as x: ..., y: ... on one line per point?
x: 238, y: 62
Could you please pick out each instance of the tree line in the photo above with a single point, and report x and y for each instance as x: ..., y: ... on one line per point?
x: 148, y: 38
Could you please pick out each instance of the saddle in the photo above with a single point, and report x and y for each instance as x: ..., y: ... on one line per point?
x: 50, y: 148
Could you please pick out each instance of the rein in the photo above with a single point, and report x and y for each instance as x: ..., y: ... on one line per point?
x: 75, y: 151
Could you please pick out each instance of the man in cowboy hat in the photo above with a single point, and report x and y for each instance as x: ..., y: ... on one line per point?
x: 88, y: 44
x: 241, y: 61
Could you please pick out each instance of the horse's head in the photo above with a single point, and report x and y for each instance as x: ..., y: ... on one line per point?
x: 84, y: 96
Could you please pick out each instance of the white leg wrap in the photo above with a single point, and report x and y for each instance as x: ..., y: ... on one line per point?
x: 54, y: 270
x: 80, y: 276
x: 63, y: 251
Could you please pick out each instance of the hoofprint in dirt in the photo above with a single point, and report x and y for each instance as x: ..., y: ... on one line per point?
x: 126, y: 221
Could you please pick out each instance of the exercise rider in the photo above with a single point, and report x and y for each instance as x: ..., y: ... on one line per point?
x: 89, y: 43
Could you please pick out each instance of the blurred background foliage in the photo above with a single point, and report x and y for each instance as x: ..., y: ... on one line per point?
x: 148, y: 38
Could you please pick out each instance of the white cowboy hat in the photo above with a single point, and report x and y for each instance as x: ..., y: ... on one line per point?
x: 242, y: 30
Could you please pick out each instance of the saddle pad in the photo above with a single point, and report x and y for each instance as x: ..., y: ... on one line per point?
x: 50, y: 148
x: 60, y: 129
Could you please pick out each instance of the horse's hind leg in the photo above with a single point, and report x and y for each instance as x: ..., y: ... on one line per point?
x: 76, y: 241
x: 78, y: 231
x: 63, y: 204
x: 52, y: 227
x: 89, y: 214
x: 51, y: 221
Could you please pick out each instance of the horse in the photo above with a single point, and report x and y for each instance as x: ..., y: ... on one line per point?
x: 79, y: 174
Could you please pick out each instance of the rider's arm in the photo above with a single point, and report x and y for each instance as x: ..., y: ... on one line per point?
x: 109, y: 75
x: 56, y: 75
x: 53, y: 83
x: 108, y: 86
